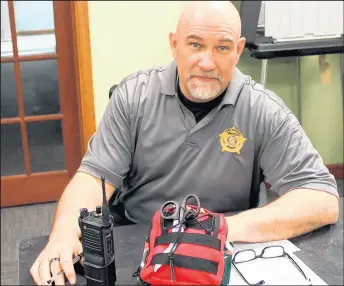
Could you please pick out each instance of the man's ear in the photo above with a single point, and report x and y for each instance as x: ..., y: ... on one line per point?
x: 240, y: 48
x: 173, y: 44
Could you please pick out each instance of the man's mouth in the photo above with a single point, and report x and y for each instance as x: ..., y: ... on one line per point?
x: 206, y: 78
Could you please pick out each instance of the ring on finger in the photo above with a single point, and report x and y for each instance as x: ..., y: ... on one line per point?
x: 53, y: 260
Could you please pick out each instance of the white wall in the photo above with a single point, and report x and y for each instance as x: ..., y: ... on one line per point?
x: 126, y: 37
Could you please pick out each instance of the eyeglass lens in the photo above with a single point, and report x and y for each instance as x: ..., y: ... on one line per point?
x: 244, y: 256
x: 250, y: 254
x: 273, y: 251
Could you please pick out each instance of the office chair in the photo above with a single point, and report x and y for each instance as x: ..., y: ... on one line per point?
x: 112, y: 89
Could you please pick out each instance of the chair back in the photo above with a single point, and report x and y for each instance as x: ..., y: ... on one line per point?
x: 112, y: 89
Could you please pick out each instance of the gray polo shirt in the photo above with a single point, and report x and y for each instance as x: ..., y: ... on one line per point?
x: 149, y: 144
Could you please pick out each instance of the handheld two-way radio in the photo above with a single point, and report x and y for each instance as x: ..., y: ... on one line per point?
x: 98, y: 244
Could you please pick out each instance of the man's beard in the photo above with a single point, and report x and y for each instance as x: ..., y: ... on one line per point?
x: 204, y: 90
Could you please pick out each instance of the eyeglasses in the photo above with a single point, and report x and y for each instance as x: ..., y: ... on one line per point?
x: 267, y: 252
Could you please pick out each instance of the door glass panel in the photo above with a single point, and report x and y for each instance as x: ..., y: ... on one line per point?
x: 12, y: 155
x: 9, y: 106
x: 35, y: 37
x: 6, y: 41
x: 46, y: 145
x: 40, y: 87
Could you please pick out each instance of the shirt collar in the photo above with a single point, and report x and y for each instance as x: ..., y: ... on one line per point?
x: 234, y: 87
x: 169, y: 75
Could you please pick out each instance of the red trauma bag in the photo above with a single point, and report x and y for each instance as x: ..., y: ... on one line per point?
x: 198, y: 256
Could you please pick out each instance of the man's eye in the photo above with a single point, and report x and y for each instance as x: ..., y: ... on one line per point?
x: 195, y: 45
x: 223, y: 48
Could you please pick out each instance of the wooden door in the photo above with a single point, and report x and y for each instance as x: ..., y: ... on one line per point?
x: 40, y: 136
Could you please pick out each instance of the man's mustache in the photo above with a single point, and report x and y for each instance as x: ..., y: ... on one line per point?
x: 207, y: 75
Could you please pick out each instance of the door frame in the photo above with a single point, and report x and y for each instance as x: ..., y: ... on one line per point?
x: 83, y: 70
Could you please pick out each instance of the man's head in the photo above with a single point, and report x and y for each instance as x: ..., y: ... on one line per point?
x: 207, y: 46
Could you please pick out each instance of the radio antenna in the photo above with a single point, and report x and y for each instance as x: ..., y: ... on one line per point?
x: 105, y: 207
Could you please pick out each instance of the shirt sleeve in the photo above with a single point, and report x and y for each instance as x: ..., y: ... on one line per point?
x: 109, y: 149
x: 289, y: 160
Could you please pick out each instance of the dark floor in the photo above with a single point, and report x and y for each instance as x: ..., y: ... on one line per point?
x: 18, y: 223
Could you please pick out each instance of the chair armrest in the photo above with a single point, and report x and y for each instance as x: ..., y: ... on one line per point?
x: 112, y: 89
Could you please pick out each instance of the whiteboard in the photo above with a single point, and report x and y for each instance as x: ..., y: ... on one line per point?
x: 302, y: 20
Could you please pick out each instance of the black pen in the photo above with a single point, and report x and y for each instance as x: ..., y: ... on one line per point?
x: 75, y: 260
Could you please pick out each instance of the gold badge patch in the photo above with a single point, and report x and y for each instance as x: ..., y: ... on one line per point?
x: 232, y: 140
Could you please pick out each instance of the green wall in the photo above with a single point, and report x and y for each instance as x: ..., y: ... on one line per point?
x: 322, y: 107
x: 322, y: 102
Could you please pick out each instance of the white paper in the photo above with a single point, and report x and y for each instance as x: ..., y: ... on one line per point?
x: 274, y: 271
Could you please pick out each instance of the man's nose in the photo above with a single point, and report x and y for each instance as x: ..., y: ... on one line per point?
x: 206, y: 61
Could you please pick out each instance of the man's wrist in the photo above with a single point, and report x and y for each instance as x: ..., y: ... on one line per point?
x: 66, y: 229
x: 236, y: 230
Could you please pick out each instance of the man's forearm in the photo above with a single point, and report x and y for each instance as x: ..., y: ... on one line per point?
x: 83, y: 191
x: 297, y: 212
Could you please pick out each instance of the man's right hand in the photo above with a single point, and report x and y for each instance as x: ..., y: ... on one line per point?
x: 65, y: 248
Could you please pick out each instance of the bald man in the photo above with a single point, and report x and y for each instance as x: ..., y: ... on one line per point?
x: 197, y: 126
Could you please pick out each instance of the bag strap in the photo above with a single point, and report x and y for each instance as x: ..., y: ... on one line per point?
x: 193, y: 238
x: 193, y: 263
x: 212, y: 223
x: 209, y: 223
x: 216, y: 225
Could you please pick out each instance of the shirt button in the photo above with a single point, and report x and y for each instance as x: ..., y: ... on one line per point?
x: 188, y: 113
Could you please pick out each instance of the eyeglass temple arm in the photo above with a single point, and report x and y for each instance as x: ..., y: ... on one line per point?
x: 297, y: 266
